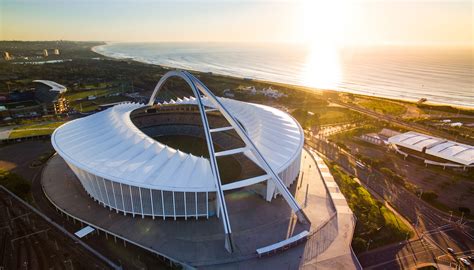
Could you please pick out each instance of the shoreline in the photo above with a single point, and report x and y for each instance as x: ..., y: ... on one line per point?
x: 287, y: 85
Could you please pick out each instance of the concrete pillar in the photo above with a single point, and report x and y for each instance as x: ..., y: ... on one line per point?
x: 131, y: 200
x: 141, y: 201
x: 270, y: 190
x: 163, y: 204
x: 174, y: 207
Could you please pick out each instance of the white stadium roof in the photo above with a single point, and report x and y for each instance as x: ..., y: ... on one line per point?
x: 449, y: 150
x: 109, y: 145
x: 54, y: 86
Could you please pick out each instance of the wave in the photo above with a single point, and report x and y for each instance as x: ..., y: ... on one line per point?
x: 408, y: 73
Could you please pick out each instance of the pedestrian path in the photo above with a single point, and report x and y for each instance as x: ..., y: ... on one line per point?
x: 339, y: 254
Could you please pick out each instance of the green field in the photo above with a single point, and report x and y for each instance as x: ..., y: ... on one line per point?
x: 72, y: 96
x: 375, y: 223
x: 230, y: 168
x: 323, y: 115
x: 383, y: 106
x: 34, y: 129
x: 15, y: 184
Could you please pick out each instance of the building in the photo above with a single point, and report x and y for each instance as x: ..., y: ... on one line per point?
x: 373, y: 138
x: 45, y: 53
x: 386, y: 133
x: 56, y: 51
x: 4, y: 113
x: 7, y: 56
x: 228, y: 93
x: 137, y: 159
x: 380, y: 138
x: 51, y: 96
x: 433, y: 150
x: 272, y: 93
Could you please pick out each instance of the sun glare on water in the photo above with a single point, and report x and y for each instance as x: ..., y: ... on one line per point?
x: 322, y: 68
x: 322, y: 29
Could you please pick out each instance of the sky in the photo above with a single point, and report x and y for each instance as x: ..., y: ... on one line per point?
x: 332, y: 22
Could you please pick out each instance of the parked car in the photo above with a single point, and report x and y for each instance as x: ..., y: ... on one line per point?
x: 451, y: 250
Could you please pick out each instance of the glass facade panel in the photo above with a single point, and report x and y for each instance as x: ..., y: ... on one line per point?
x: 179, y: 203
x: 126, y: 198
x: 146, y: 201
x: 157, y: 207
x: 118, y: 195
x: 110, y: 193
x: 136, y: 200
x: 168, y: 198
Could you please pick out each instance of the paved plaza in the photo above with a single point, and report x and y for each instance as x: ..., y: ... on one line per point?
x: 255, y: 223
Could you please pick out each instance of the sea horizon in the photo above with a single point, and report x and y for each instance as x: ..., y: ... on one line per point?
x: 441, y: 74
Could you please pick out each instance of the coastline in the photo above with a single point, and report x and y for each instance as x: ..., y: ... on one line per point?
x: 286, y: 85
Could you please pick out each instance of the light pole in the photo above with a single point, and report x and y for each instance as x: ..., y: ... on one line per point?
x: 450, y: 215
x: 462, y: 215
x: 417, y: 218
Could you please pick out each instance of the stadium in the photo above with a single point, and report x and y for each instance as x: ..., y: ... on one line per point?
x: 175, y: 159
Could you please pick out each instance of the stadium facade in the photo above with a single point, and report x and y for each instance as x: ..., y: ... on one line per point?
x: 120, y: 161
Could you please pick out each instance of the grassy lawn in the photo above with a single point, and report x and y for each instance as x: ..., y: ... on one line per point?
x: 383, y: 106
x: 87, y: 106
x: 333, y: 115
x: 71, y: 96
x: 324, y: 115
x: 34, y: 129
x: 14, y: 105
x: 91, y: 105
x: 15, y: 184
x: 375, y: 223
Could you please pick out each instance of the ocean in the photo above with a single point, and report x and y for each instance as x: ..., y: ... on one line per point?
x: 441, y: 75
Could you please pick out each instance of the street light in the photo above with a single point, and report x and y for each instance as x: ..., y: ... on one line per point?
x: 368, y: 244
x: 462, y: 215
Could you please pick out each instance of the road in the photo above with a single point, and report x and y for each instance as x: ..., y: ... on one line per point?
x: 410, y: 126
x: 434, y: 227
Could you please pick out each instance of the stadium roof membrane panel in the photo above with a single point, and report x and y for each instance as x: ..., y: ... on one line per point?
x: 54, y: 85
x: 109, y: 145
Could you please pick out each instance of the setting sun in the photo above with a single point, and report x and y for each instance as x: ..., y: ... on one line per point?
x: 236, y: 134
x: 322, y: 27
x: 322, y: 67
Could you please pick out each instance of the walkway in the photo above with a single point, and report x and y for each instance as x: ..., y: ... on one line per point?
x: 339, y: 254
x: 255, y: 223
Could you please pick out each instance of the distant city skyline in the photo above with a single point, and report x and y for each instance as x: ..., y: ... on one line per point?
x: 320, y: 23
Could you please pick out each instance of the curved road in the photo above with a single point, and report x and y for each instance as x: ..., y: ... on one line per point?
x: 436, y: 230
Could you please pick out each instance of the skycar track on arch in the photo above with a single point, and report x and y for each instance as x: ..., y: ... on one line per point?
x: 123, y: 168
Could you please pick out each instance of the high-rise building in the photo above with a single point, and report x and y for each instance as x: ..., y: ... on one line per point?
x: 45, y: 53
x: 6, y: 56
x: 56, y: 52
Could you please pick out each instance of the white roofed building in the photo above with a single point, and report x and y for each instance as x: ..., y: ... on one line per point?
x: 146, y: 159
x: 52, y: 96
x: 434, y: 150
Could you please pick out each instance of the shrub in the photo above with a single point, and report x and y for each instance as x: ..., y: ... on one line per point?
x: 375, y: 222
x: 15, y: 184
x: 392, y: 175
